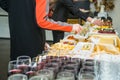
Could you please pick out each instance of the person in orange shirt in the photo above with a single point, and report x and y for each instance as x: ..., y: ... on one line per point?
x: 27, y: 21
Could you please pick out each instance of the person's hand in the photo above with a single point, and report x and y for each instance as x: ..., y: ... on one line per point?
x: 76, y: 28
x: 97, y: 22
x: 47, y: 46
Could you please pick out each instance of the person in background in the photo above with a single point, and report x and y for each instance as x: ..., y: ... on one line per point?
x: 27, y: 21
x: 51, y: 7
x: 63, y: 7
x: 84, y: 6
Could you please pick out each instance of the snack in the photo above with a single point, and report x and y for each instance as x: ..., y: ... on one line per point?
x: 83, y: 48
x: 71, y: 37
x: 62, y: 46
x: 86, y: 47
x: 69, y: 42
x: 107, y: 30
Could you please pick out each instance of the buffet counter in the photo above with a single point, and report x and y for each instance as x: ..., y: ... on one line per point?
x: 93, y: 44
x: 84, y: 56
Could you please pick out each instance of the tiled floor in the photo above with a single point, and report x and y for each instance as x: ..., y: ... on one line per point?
x: 4, y: 57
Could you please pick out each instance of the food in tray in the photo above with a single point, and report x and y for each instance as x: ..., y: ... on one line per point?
x: 62, y: 46
x: 103, y: 27
x: 104, y: 30
x: 107, y: 48
x: 83, y: 48
x: 71, y: 37
x: 107, y: 40
x: 84, y: 31
x: 70, y: 43
x: 60, y: 49
x: 74, y: 38
x: 86, y: 47
x: 107, y: 30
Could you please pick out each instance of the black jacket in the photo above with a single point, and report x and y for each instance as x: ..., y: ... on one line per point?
x: 27, y: 38
x: 63, y: 7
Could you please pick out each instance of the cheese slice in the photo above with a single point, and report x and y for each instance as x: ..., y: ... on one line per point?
x: 107, y: 40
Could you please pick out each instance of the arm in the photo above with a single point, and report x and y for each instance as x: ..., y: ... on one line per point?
x: 4, y: 5
x: 70, y: 5
x: 43, y: 20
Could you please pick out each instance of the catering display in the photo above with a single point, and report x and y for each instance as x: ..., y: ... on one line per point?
x: 90, y: 55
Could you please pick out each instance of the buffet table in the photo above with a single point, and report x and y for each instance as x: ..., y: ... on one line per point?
x: 85, y: 56
x: 95, y: 43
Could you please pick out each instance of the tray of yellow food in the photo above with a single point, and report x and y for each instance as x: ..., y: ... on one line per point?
x: 60, y: 49
x: 105, y: 39
x: 108, y: 48
x: 62, y: 46
x: 106, y: 43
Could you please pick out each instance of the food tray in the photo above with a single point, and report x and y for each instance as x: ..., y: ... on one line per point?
x: 83, y: 48
x: 76, y: 37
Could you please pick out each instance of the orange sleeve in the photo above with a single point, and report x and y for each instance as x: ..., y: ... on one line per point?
x: 44, y: 22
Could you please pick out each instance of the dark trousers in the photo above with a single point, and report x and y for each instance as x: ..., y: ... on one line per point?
x: 57, y: 36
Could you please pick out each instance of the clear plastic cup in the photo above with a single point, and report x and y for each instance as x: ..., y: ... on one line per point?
x: 23, y: 63
x: 39, y: 78
x: 24, y: 60
x: 47, y: 73
x: 12, y: 68
x: 65, y: 76
x: 70, y: 68
x: 18, y: 77
x: 85, y: 75
x: 52, y: 66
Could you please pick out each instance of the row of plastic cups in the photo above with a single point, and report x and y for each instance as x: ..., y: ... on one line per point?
x: 44, y: 75
x: 24, y: 77
x: 24, y: 65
